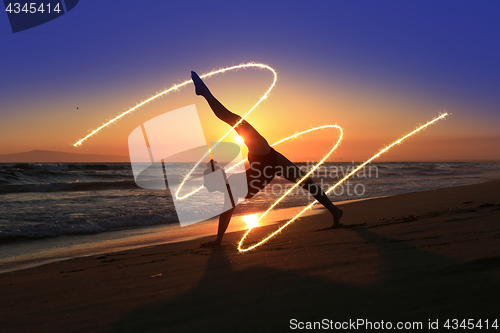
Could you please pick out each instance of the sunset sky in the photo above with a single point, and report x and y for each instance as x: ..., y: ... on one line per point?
x: 377, y: 69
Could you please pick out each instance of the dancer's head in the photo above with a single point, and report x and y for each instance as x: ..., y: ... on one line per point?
x: 214, y: 183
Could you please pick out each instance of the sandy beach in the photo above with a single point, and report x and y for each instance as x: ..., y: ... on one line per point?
x: 409, y: 258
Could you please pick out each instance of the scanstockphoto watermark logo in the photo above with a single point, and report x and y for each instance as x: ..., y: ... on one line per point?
x: 178, y: 136
x: 25, y: 15
x: 325, y: 176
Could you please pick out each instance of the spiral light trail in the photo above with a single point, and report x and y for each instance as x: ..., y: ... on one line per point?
x: 275, y: 77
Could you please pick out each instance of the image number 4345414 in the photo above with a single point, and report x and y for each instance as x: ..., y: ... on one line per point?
x: 28, y: 14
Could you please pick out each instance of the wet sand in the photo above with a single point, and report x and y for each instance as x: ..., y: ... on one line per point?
x: 414, y: 257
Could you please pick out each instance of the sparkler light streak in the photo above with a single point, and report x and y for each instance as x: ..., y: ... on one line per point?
x: 175, y: 87
x: 262, y: 66
x: 274, y: 144
x: 382, y: 151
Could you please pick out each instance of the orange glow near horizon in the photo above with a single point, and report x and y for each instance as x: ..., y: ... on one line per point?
x: 371, y: 116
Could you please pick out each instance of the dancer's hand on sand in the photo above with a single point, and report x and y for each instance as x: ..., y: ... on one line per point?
x: 200, y: 87
x: 336, y: 218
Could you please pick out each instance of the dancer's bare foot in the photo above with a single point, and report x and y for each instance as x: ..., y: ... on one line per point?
x: 337, y: 214
x: 214, y: 243
x: 200, y: 88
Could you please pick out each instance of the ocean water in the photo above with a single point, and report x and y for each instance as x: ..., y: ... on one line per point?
x: 43, y: 203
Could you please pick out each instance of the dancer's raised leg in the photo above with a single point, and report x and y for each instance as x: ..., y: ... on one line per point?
x: 255, y: 142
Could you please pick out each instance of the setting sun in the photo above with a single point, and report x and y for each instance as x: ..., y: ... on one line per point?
x: 251, y: 220
x: 239, y: 139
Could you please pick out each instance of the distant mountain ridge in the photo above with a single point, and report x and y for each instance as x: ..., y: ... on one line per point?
x: 48, y: 156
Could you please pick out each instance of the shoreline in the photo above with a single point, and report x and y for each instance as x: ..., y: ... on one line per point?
x: 129, y: 239
x: 415, y: 256
x: 144, y: 237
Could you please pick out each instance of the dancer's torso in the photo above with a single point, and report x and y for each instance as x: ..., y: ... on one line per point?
x: 262, y: 170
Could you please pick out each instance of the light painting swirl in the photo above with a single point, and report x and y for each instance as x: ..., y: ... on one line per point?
x: 275, y: 77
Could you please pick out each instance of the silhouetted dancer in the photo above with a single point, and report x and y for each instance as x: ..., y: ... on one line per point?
x: 265, y: 164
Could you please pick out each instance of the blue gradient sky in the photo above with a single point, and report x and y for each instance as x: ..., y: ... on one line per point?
x: 376, y: 68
